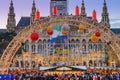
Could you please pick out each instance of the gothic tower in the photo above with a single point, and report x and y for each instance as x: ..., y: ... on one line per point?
x: 62, y: 6
x: 105, y: 15
x: 32, y: 16
x: 83, y: 12
x: 11, y: 22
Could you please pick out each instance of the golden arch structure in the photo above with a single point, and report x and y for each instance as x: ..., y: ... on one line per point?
x: 39, y: 25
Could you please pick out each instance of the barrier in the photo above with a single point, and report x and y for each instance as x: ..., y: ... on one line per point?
x: 7, y: 77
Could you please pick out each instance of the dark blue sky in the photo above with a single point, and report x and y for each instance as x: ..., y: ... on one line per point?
x: 23, y: 8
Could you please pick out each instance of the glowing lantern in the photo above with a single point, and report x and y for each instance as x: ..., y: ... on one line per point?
x: 77, y: 11
x: 65, y: 29
x: 34, y: 36
x: 94, y: 17
x: 97, y: 34
x: 82, y: 27
x: 94, y: 38
x: 50, y: 30
x: 54, y: 10
x: 37, y: 15
x: 65, y: 32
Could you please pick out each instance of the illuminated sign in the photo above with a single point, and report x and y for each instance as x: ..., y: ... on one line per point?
x: 63, y: 68
x: 63, y: 51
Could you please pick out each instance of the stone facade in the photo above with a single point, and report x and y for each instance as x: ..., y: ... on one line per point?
x: 62, y: 9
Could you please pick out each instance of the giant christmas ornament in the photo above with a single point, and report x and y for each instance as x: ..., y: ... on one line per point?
x: 94, y: 38
x: 54, y: 10
x: 34, y: 36
x: 37, y: 15
x: 50, y: 30
x: 82, y: 27
x: 77, y: 10
x: 94, y: 15
x: 97, y: 34
x: 65, y: 29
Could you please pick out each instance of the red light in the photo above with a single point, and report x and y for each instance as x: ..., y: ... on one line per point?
x: 97, y: 34
x: 54, y: 10
x: 77, y: 10
x: 94, y: 17
x: 34, y: 36
x: 37, y: 16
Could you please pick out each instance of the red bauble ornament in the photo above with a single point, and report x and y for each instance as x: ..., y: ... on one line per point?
x: 94, y: 15
x: 97, y: 34
x: 94, y: 38
x: 34, y: 36
x: 50, y: 32
x: 54, y: 10
x: 37, y: 15
x: 77, y: 10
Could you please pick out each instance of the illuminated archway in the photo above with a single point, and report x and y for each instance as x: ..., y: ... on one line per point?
x: 39, y: 26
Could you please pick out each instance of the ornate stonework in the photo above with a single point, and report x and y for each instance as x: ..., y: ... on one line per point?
x: 107, y: 36
x: 11, y: 22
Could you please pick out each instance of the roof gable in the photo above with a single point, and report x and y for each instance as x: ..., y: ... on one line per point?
x: 24, y: 21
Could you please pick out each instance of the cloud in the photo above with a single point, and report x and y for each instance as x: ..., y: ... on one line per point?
x: 115, y: 23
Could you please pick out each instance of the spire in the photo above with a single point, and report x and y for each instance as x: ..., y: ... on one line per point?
x: 83, y: 12
x: 82, y: 2
x: 32, y: 17
x: 11, y: 8
x: 105, y: 15
x: 11, y: 22
x: 33, y: 3
x: 104, y: 2
x: 11, y: 2
x: 33, y: 7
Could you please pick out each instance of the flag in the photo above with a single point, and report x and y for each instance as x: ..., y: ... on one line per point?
x: 56, y: 33
x: 64, y: 40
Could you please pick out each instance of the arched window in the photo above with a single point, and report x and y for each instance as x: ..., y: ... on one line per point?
x: 99, y: 45
x: 72, y: 44
x: 40, y: 48
x: 95, y: 47
x: 77, y: 43
x: 84, y: 63
x: 90, y: 63
x: 48, y: 42
x: 100, y: 62
x: 17, y: 64
x: 44, y: 46
x: 95, y: 63
x: 89, y: 45
x: 84, y: 46
x: 26, y: 47
x: 22, y: 65
x: 33, y: 48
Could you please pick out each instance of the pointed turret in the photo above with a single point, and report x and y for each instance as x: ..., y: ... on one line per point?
x: 105, y: 15
x: 83, y: 12
x: 11, y: 22
x: 32, y: 16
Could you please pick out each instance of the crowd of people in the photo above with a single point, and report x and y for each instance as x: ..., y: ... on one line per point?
x: 64, y: 76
